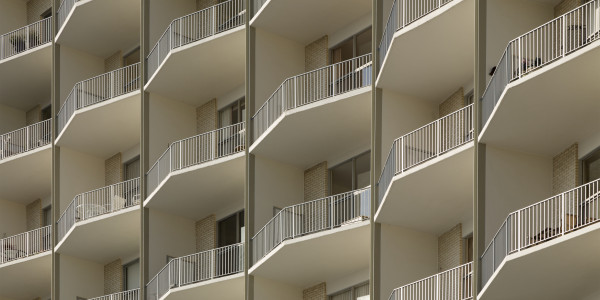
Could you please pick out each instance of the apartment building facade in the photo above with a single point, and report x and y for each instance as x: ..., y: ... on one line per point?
x: 283, y: 149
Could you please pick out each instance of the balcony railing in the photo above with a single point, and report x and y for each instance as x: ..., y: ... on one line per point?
x: 196, y: 150
x: 540, y: 47
x: 26, y: 139
x: 126, y: 295
x: 25, y: 244
x: 403, y: 13
x: 454, y: 284
x: 426, y: 143
x: 541, y: 222
x: 194, y: 27
x: 98, y: 89
x: 195, y: 268
x: 313, y: 86
x: 257, y: 5
x: 63, y: 11
x: 99, y: 202
x: 26, y: 38
x: 310, y: 217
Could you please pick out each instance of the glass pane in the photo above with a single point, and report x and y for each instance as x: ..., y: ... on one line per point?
x: 363, y: 170
x: 341, y: 178
x: 363, y: 43
x: 133, y: 276
x: 228, y: 231
x: 592, y: 167
x: 343, y: 51
x: 346, y: 295
x: 361, y: 291
x: 225, y: 117
x: 132, y: 169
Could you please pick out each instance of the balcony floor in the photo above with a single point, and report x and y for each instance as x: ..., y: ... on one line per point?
x: 319, y: 131
x: 26, y: 278
x: 566, y: 267
x: 104, y: 238
x: 225, y: 288
x: 299, y: 263
x: 196, y: 191
x: 562, y: 98
x: 205, y: 76
x: 288, y: 17
x: 27, y: 176
x: 93, y: 24
x: 432, y: 56
x: 105, y: 128
x: 434, y: 196
x: 26, y: 78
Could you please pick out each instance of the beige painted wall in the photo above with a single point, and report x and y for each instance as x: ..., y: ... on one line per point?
x: 169, y: 235
x: 79, y: 173
x: 162, y: 12
x: 266, y: 289
x: 11, y: 119
x: 76, y: 66
x: 13, y: 15
x: 12, y: 218
x: 79, y: 277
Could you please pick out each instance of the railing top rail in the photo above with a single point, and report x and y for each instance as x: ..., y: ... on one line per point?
x: 435, y: 121
x: 387, y: 22
x: 26, y: 232
x: 433, y: 276
x: 306, y: 73
x: 28, y: 126
x: 242, y: 124
x: 115, y: 294
x: 109, y: 72
x: 29, y: 25
x: 306, y: 203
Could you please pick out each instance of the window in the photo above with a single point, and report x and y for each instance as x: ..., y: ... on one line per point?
x: 47, y: 215
x: 132, y: 57
x: 132, y: 168
x: 230, y: 229
x: 46, y: 14
x: 46, y: 113
x: 233, y: 113
x: 591, y: 167
x: 131, y: 275
x: 469, y: 97
x: 357, y: 45
x: 276, y: 210
x: 357, y: 292
x: 350, y: 175
x: 468, y: 246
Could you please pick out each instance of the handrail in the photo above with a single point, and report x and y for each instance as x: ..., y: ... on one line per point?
x: 541, y: 222
x: 196, y: 150
x: 25, y: 244
x: 26, y: 38
x: 194, y: 27
x: 425, y: 143
x: 126, y: 295
x: 310, y: 217
x: 311, y: 87
x: 25, y: 139
x: 539, y: 47
x: 63, y: 11
x: 455, y: 283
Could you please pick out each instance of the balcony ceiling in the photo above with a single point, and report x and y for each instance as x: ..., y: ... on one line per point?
x: 25, y: 79
x: 26, y: 278
x: 26, y: 177
x: 307, y: 20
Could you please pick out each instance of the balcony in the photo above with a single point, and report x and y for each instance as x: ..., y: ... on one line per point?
x: 452, y: 284
x: 440, y: 154
x: 543, y: 251
x: 126, y: 295
x: 92, y: 25
x: 332, y: 224
x: 427, y: 47
x: 213, y: 274
x: 26, y: 163
x: 101, y: 115
x: 316, y: 114
x: 181, y: 52
x: 26, y: 59
x: 26, y: 257
x: 102, y: 224
x: 546, y: 75
x: 200, y: 173
x: 288, y: 18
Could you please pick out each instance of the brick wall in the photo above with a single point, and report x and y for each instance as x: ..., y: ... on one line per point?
x: 202, y: 4
x: 450, y: 249
x: 34, y: 213
x: 565, y: 6
x: 33, y: 115
x: 206, y: 233
x: 113, y: 169
x: 316, y: 181
x: 206, y: 117
x: 113, y: 62
x: 565, y: 170
x: 316, y: 54
x: 113, y: 277
x: 317, y: 292
x: 35, y: 8
x: 455, y: 102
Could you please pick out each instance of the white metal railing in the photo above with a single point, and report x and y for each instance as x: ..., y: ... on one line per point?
x: 542, y: 221
x: 310, y: 217
x: 196, y: 150
x: 312, y: 86
x: 26, y: 139
x: 26, y: 38
x: 425, y: 143
x: 194, y: 27
x: 540, y: 47
x: 126, y: 295
x: 99, y: 202
x: 98, y: 89
x: 195, y: 268
x: 63, y: 11
x: 403, y: 13
x: 257, y: 4
x: 454, y: 284
x: 25, y: 244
